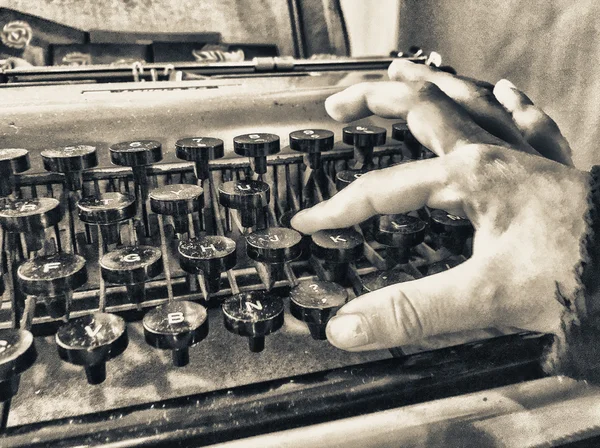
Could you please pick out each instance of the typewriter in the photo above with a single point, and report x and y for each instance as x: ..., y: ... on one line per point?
x: 154, y: 292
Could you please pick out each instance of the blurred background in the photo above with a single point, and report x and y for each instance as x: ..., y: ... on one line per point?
x: 547, y: 48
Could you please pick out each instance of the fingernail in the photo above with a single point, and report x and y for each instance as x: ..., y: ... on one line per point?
x: 347, y: 331
x: 505, y: 83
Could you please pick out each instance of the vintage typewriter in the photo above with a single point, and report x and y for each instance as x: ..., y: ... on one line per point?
x: 154, y: 292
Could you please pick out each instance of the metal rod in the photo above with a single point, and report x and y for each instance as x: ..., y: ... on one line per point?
x: 102, y: 283
x: 165, y: 255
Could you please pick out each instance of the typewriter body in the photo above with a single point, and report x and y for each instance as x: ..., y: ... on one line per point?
x: 162, y: 321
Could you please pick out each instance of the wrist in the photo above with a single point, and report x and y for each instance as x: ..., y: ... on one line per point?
x: 576, y: 351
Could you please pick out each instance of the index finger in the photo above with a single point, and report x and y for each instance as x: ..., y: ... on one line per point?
x: 398, y: 189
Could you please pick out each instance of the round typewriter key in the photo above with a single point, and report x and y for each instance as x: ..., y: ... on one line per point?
x: 335, y: 248
x: 364, y: 139
x: 257, y: 147
x: 136, y: 153
x: 68, y: 159
x: 286, y: 218
x: 274, y: 245
x: 14, y: 160
x: 250, y: 197
x: 337, y: 245
x: 17, y: 354
x: 52, y: 275
x: 312, y: 142
x: 199, y: 150
x: 132, y: 266
x: 176, y: 326
x: 387, y: 278
x: 270, y: 249
x: 364, y: 136
x: 176, y: 199
x: 315, y: 302
x: 209, y: 256
x: 444, y: 265
x: 254, y: 315
x: 29, y: 215
x: 238, y: 194
x: 346, y: 177
x: 91, y: 341
x: 399, y: 131
x: 400, y: 233
x: 453, y: 231
x: 108, y: 208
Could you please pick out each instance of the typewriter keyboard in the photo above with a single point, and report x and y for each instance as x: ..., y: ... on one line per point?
x: 141, y: 281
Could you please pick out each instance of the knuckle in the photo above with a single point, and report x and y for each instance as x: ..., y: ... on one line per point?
x: 427, y: 91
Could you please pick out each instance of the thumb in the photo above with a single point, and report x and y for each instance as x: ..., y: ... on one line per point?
x: 402, y: 314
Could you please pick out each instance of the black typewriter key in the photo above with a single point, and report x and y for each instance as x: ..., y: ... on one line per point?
x: 107, y: 211
x: 312, y: 142
x: 401, y: 133
x: 70, y: 161
x: 444, y: 265
x: 253, y: 314
x: 271, y: 248
x: 378, y: 280
x: 176, y: 326
x: 315, y: 302
x: 17, y: 354
x: 337, y: 245
x: 208, y: 256
x: 336, y: 248
x: 364, y: 138
x: 90, y: 341
x: 30, y: 217
x: 452, y: 231
x: 138, y: 155
x: 52, y: 279
x: 285, y: 220
x: 249, y: 197
x: 12, y: 161
x: 346, y: 177
x: 199, y: 150
x: 257, y: 147
x: 132, y: 266
x: 273, y: 245
x: 178, y: 201
x: 400, y: 233
x: 108, y: 208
